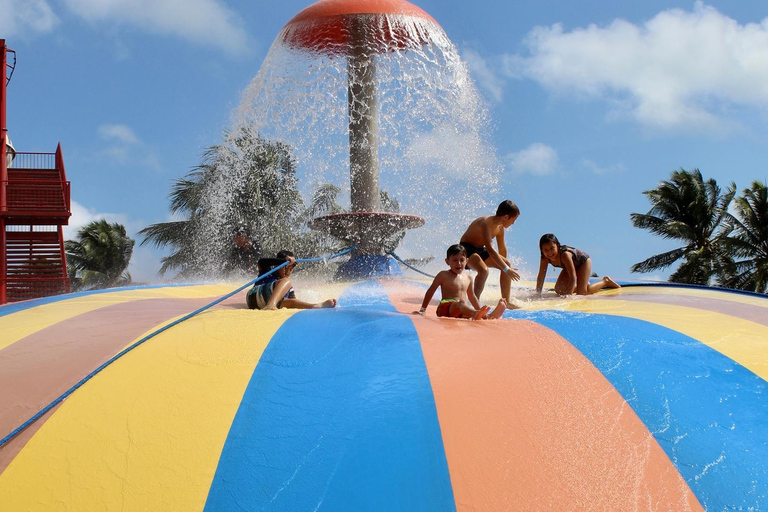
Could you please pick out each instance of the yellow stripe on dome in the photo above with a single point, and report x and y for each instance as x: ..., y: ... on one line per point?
x: 742, y: 341
x: 147, y: 432
x: 682, y: 291
x: 21, y: 324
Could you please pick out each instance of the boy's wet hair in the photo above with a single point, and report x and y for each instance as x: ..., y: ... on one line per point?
x: 545, y: 239
x: 284, y: 254
x: 507, y: 207
x: 455, y: 249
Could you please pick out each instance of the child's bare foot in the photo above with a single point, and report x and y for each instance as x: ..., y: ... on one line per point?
x: 330, y: 303
x: 514, y: 303
x: 499, y: 309
x: 610, y: 283
x: 481, y: 313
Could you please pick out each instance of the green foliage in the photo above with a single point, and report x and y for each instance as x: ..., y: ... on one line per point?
x: 747, y: 241
x: 246, y: 186
x: 691, y: 210
x: 729, y: 249
x: 99, y: 257
x: 390, y: 204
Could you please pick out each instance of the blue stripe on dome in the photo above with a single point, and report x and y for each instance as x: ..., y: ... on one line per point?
x: 339, y: 415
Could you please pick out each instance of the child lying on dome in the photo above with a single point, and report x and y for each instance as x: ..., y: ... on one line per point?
x: 276, y: 290
x: 456, y: 289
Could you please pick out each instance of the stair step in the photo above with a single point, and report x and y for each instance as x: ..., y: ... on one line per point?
x: 30, y: 288
x: 43, y: 246
x: 47, y: 265
x: 33, y: 174
x: 33, y: 251
x: 35, y: 258
x: 35, y: 263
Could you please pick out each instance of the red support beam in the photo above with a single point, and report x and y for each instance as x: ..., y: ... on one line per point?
x: 64, y: 273
x: 3, y: 173
x: 63, y: 178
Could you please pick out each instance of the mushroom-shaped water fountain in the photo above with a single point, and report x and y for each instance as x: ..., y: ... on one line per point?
x: 359, y: 30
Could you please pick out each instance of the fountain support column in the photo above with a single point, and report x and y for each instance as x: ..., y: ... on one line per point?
x: 363, y: 123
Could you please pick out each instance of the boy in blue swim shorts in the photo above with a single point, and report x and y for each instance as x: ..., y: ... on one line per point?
x: 276, y: 290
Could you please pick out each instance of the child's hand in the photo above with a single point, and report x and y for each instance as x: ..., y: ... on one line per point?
x: 421, y: 312
x: 511, y: 272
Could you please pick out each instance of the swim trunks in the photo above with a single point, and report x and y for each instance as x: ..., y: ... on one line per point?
x: 258, y: 296
x: 444, y: 308
x: 473, y: 249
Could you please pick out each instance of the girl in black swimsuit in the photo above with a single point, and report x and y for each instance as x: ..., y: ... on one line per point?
x: 576, y: 265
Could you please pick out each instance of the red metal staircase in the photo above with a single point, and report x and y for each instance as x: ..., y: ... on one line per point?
x: 34, y: 205
x: 37, y: 205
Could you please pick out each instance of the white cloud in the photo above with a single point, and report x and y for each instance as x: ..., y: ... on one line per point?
x: 594, y: 168
x: 118, y: 132
x: 679, y: 69
x: 538, y: 159
x: 207, y: 22
x: 487, y: 77
x: 81, y: 216
x: 125, y: 147
x: 145, y: 261
x: 23, y: 17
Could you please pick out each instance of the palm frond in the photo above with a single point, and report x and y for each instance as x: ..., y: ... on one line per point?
x: 659, y: 261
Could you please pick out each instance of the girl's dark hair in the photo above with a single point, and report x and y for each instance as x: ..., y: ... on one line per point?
x: 507, y: 207
x: 545, y: 239
x: 455, y: 249
x: 282, y: 255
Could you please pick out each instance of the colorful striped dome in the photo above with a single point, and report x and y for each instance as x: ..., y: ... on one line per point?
x: 643, y: 398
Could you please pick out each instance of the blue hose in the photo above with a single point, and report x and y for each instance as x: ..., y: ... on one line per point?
x: 409, y: 266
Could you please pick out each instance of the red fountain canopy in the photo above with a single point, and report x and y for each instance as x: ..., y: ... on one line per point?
x: 328, y: 26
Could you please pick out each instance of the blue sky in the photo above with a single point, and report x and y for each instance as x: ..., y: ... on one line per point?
x: 590, y: 104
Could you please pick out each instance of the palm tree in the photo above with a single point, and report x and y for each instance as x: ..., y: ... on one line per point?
x: 748, y: 238
x: 691, y: 210
x: 244, y: 187
x: 100, y: 256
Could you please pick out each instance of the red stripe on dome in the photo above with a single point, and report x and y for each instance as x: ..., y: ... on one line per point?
x: 529, y: 423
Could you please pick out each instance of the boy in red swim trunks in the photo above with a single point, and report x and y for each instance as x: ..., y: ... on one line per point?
x: 456, y: 291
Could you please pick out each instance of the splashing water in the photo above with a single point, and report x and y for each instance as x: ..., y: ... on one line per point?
x: 434, y: 151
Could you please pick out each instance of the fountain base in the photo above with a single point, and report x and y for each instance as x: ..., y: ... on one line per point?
x: 367, y: 266
x: 372, y: 234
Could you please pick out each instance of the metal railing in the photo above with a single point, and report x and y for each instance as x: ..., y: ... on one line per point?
x: 23, y: 160
x: 31, y: 228
x: 44, y: 196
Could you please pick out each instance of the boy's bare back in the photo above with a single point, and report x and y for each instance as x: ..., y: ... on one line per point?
x: 477, y: 230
